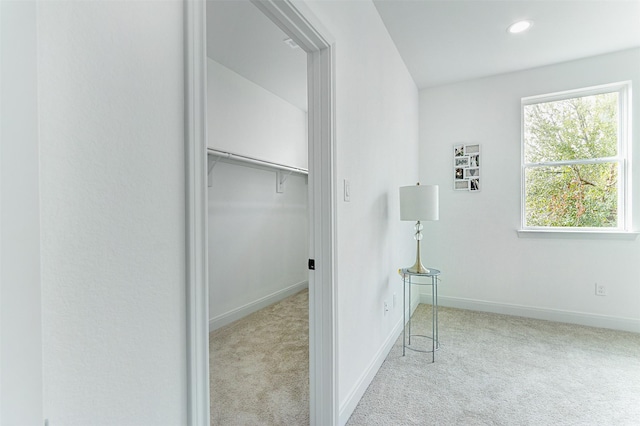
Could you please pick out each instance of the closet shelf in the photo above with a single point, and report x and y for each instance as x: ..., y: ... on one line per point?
x: 246, y: 159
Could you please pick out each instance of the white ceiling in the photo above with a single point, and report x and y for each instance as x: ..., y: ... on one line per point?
x: 243, y: 39
x: 441, y: 41
x: 453, y: 40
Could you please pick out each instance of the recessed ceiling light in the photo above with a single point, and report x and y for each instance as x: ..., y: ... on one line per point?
x: 520, y: 26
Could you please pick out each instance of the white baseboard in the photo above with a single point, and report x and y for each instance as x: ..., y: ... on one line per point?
x: 241, y: 312
x: 352, y: 399
x: 581, y: 318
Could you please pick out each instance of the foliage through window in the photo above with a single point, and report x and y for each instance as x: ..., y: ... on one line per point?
x: 574, y: 159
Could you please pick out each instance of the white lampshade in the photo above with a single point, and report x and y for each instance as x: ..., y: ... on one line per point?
x: 419, y: 202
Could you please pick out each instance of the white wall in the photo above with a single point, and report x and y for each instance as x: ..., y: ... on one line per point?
x: 258, y: 239
x: 20, y: 318
x: 485, y: 265
x: 111, y: 116
x: 112, y: 204
x: 376, y: 149
x: 243, y: 118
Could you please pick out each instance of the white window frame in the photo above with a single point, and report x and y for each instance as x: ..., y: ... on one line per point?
x: 622, y: 158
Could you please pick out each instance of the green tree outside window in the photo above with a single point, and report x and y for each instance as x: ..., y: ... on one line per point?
x: 572, y: 162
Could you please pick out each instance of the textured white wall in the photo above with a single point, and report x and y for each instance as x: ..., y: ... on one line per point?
x: 485, y: 265
x: 376, y: 149
x: 112, y: 198
x: 243, y: 118
x: 20, y: 318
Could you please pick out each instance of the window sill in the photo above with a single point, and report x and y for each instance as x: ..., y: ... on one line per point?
x: 576, y: 234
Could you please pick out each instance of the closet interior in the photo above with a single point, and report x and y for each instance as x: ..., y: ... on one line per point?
x: 258, y: 219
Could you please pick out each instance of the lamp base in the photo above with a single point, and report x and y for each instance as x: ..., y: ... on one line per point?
x: 418, y: 268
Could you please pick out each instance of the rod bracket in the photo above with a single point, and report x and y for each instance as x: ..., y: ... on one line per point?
x: 281, y: 178
x: 212, y: 160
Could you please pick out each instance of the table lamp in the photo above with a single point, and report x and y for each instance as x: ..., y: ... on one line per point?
x: 417, y: 203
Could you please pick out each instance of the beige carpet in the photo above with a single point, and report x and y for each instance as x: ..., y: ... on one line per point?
x: 491, y: 370
x: 502, y: 370
x: 260, y: 367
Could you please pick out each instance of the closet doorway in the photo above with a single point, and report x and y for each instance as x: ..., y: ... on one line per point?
x: 258, y: 219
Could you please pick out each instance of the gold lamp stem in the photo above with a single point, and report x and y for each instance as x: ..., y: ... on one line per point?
x: 418, y: 267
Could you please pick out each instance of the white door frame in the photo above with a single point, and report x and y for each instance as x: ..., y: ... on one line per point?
x: 299, y: 24
x: 195, y: 134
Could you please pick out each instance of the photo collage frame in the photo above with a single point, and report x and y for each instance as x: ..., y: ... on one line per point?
x: 466, y: 167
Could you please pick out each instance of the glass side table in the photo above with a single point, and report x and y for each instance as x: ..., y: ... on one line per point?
x: 407, y: 283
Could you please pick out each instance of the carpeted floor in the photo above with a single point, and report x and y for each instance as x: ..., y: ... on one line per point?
x: 259, y: 367
x: 490, y: 370
x: 502, y: 370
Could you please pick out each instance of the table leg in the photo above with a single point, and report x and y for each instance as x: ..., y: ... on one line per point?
x: 404, y: 312
x: 433, y: 322
x: 410, y: 306
x: 435, y: 286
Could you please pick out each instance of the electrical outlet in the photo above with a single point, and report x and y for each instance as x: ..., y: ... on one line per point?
x: 601, y: 290
x: 386, y: 307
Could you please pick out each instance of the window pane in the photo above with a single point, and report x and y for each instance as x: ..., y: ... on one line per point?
x: 571, y: 129
x: 584, y: 195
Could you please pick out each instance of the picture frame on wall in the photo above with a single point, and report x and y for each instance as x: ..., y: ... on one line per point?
x: 472, y: 149
x: 461, y: 185
x: 461, y: 161
x: 471, y: 172
x: 474, y: 184
x: 466, y: 167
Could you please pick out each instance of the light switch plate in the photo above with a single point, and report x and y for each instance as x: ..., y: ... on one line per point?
x: 347, y: 190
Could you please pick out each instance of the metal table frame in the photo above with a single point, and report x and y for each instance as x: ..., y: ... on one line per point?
x: 407, y: 282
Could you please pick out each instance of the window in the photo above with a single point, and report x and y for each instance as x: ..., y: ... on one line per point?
x: 574, y: 160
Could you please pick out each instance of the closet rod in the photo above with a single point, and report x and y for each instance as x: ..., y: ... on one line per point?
x: 246, y: 159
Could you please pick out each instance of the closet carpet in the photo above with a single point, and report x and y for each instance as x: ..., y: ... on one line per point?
x: 259, y: 367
